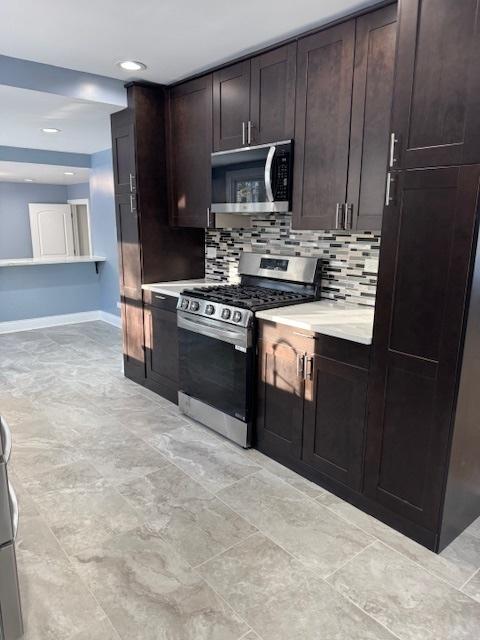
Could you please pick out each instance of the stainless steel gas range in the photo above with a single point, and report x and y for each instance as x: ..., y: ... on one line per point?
x: 11, y: 626
x: 217, y: 338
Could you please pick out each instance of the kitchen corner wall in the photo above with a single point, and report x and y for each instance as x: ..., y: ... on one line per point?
x: 350, y: 260
x: 102, y: 210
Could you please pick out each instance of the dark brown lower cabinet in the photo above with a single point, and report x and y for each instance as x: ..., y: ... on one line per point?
x: 334, y: 419
x: 161, y: 345
x: 280, y: 391
x: 311, y: 408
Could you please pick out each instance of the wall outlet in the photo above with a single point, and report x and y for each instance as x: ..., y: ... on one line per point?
x: 211, y: 252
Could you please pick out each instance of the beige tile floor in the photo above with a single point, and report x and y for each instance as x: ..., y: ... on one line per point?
x: 137, y: 523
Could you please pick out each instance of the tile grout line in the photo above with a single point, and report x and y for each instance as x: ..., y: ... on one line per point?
x: 477, y: 572
x: 79, y: 577
x: 342, y: 566
x: 386, y: 544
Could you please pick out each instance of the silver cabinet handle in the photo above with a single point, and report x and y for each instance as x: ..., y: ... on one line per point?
x: 14, y: 508
x: 348, y: 215
x: 339, y: 216
x: 301, y: 365
x: 249, y: 132
x: 309, y: 368
x: 157, y: 297
x: 388, y: 196
x: 131, y: 178
x: 209, y: 222
x: 391, y: 157
x: 133, y: 207
x: 243, y: 132
x: 6, y: 437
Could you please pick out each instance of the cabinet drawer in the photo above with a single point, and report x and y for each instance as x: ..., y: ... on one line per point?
x: 296, y: 339
x: 160, y: 300
x: 346, y: 351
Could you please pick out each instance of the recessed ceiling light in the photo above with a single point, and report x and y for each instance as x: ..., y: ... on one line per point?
x: 132, y: 65
x: 68, y: 173
x: 50, y: 130
x: 28, y: 179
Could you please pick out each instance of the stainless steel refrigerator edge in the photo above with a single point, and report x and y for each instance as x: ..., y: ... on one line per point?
x: 11, y: 626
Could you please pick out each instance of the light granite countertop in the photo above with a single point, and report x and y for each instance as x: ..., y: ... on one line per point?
x: 337, y: 319
x: 175, y: 287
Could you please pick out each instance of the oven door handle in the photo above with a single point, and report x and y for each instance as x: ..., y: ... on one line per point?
x: 237, y: 338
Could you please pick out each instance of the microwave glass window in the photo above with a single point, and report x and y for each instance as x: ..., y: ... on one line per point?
x: 245, y: 185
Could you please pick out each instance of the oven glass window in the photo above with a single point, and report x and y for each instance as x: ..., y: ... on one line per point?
x: 215, y: 372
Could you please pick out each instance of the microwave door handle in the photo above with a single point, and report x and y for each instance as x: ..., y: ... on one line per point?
x: 268, y: 173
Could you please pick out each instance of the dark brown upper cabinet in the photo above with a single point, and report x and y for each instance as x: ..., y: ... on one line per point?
x: 254, y: 100
x: 190, y: 144
x: 428, y: 239
x: 231, y: 106
x: 370, y: 124
x: 436, y: 107
x: 322, y: 126
x: 123, y: 150
x: 272, y: 99
x: 344, y: 95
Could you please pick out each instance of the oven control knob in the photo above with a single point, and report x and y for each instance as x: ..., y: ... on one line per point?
x: 226, y: 313
x: 237, y: 316
x: 194, y: 306
x: 184, y: 303
x: 209, y: 309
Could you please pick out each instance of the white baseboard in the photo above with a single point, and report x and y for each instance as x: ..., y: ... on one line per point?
x: 29, y: 324
x: 111, y: 318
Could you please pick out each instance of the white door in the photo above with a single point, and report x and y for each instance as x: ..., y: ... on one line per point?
x: 52, y: 230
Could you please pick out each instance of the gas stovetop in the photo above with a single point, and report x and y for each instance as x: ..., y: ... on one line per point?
x: 267, y: 281
x: 254, y: 298
x: 237, y: 304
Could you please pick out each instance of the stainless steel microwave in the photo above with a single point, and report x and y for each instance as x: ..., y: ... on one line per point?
x: 253, y: 180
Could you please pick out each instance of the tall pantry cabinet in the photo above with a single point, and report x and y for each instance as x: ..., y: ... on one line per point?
x: 150, y: 250
x: 424, y: 403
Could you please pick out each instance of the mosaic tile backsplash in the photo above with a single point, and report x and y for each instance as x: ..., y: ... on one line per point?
x: 350, y: 260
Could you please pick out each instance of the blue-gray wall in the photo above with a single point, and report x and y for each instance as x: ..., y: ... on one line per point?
x: 32, y: 292
x: 104, y: 235
x: 15, y: 237
x: 78, y: 191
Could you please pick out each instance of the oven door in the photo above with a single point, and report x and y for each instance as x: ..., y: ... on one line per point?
x: 216, y: 364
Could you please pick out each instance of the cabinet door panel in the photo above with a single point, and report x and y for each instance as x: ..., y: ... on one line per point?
x: 322, y: 125
x: 123, y: 150
x: 231, y: 105
x: 436, y: 105
x: 133, y: 333
x: 279, y: 400
x: 161, y: 341
x: 427, y: 244
x: 371, y: 111
x: 272, y: 103
x: 128, y: 238
x: 190, y: 149
x: 334, y: 420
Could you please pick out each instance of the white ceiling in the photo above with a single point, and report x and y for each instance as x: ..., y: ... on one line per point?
x: 174, y: 38
x: 41, y: 173
x: 85, y: 126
